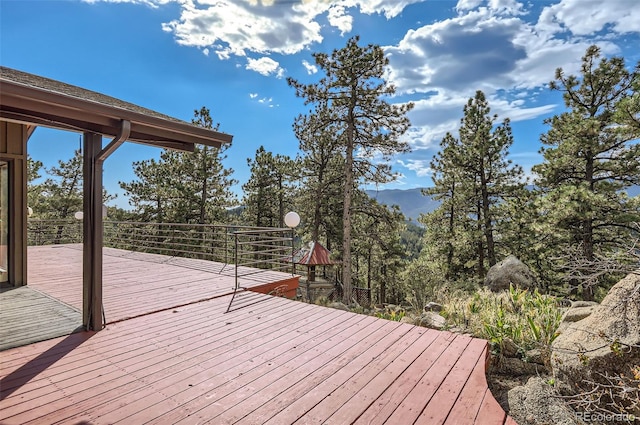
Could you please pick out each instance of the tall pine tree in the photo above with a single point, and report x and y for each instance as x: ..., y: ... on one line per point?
x: 351, y: 98
x: 472, y: 177
x: 591, y: 155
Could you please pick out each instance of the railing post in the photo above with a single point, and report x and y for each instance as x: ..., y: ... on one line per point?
x: 293, y: 261
x: 235, y: 257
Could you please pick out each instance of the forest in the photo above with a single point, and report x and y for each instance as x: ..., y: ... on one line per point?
x: 574, y: 225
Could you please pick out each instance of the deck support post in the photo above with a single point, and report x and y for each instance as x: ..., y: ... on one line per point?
x: 92, y: 231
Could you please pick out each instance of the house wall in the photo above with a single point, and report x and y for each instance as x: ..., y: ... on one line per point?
x: 13, y: 149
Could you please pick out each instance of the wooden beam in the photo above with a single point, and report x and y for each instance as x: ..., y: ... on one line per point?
x: 13, y: 149
x: 93, y: 233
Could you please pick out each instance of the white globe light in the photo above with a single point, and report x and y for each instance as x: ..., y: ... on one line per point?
x: 79, y: 215
x: 292, y: 219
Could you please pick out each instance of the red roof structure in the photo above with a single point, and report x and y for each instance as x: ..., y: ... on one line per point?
x: 316, y: 255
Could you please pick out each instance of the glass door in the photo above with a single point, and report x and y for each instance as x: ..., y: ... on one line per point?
x: 4, y: 223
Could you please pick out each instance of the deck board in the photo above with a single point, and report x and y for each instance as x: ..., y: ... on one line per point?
x: 269, y: 360
x: 28, y: 315
x: 130, y: 276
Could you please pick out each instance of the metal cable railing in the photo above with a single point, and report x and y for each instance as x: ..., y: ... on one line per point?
x: 251, y: 250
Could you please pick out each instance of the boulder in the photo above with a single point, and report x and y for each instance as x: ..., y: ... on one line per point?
x: 536, y: 356
x: 580, y: 303
x: 432, y: 320
x: 509, y: 348
x: 606, y: 341
x: 511, y: 366
x: 509, y: 271
x: 537, y: 403
x: 431, y: 306
x: 575, y: 314
x: 339, y: 306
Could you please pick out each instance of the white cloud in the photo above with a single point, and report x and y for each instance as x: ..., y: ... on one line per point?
x: 465, y: 53
x: 236, y: 28
x: 464, y: 5
x: 311, y: 68
x: 265, y: 66
x: 516, y: 110
x: 622, y: 15
x: 266, y: 101
x: 421, y: 167
x: 390, y: 8
x: 338, y: 18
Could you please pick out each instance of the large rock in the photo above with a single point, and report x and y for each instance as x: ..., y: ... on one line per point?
x: 605, y: 342
x: 537, y: 403
x: 432, y: 320
x: 509, y: 271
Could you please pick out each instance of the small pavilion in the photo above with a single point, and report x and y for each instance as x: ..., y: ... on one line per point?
x: 315, y: 255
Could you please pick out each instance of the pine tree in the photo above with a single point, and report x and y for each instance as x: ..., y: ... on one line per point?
x: 472, y: 176
x: 184, y: 187
x: 34, y: 190
x: 321, y: 178
x: 350, y: 98
x: 591, y: 155
x: 62, y: 191
x: 151, y: 193
x: 269, y: 191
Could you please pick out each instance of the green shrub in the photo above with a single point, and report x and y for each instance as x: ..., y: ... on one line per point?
x: 529, y: 319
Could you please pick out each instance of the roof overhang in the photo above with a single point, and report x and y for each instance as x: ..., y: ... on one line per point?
x: 30, y: 99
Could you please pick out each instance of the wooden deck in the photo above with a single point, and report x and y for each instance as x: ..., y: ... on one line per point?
x: 130, y: 277
x: 269, y: 360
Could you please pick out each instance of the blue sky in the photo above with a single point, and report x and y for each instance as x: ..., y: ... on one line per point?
x: 233, y: 56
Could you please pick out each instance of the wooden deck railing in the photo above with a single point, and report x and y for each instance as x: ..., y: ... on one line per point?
x: 248, y: 249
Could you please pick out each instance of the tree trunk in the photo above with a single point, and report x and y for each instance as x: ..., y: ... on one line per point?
x: 383, y: 286
x: 587, y: 228
x: 488, y: 225
x: 205, y: 189
x: 480, y: 244
x: 369, y: 269
x: 317, y: 212
x: 346, y: 217
x: 449, y: 272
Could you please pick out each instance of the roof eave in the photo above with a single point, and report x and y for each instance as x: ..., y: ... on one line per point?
x: 23, y: 103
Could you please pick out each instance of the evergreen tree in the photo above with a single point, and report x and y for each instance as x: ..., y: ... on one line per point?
x: 472, y: 177
x: 350, y: 99
x: 184, y: 187
x: 151, y: 193
x: 321, y: 177
x: 591, y: 155
x: 34, y: 190
x: 377, y: 245
x: 268, y: 194
x: 202, y: 185
x: 62, y: 191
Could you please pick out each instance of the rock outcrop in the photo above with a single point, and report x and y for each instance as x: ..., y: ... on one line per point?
x: 537, y: 403
x: 588, y: 342
x: 605, y: 343
x: 509, y: 271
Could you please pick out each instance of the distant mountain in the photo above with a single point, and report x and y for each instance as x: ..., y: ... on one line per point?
x: 411, y: 201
